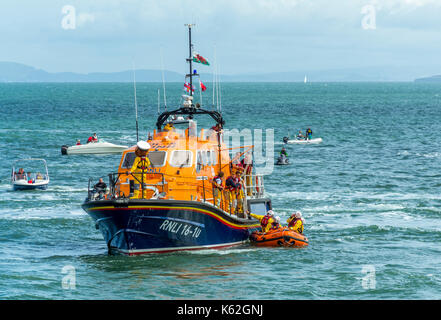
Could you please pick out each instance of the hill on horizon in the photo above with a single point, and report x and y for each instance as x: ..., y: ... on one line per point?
x: 17, y: 72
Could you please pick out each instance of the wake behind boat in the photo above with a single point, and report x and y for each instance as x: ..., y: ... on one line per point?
x: 100, y: 147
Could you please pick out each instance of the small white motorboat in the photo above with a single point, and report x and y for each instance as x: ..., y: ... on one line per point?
x: 100, y: 147
x: 303, y: 141
x: 29, y: 180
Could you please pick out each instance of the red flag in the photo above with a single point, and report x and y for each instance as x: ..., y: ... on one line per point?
x: 203, y: 87
x: 187, y: 87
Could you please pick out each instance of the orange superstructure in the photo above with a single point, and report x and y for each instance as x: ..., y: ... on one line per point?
x: 184, y: 162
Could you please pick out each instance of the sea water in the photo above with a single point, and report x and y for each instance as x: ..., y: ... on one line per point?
x: 370, y: 194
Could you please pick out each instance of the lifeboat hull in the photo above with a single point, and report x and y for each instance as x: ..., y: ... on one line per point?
x: 279, y: 238
x: 134, y: 227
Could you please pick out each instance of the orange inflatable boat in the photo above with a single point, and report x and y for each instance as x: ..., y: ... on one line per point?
x: 283, y: 237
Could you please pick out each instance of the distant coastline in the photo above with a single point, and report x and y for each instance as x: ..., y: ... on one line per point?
x: 436, y: 78
x: 17, y: 72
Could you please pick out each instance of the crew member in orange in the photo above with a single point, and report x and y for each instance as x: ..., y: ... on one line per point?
x: 139, y: 168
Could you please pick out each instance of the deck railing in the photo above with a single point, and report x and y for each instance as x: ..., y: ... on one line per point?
x: 113, y: 191
x: 252, y: 188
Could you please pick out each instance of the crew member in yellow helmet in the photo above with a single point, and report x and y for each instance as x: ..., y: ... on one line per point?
x: 139, y: 168
x: 266, y: 221
x: 295, y: 222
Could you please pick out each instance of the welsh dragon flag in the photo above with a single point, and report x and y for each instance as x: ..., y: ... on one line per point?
x: 199, y: 59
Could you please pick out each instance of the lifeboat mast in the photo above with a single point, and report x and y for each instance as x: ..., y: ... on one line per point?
x: 190, y: 60
x: 189, y: 108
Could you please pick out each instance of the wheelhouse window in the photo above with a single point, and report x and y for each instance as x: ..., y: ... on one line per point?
x: 181, y: 158
x: 258, y: 208
x: 128, y: 160
x: 213, y: 157
x: 157, y: 158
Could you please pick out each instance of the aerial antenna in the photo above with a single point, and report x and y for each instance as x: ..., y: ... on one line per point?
x: 200, y: 91
x: 159, y: 101
x: 190, y: 58
x: 163, y: 80
x: 214, y: 75
x: 136, y: 102
x: 220, y: 92
x: 217, y: 85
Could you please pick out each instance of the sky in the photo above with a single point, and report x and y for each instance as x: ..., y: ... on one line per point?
x: 243, y: 36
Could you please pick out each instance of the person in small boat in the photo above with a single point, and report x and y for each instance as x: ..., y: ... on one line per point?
x: 275, y: 225
x: 20, y: 175
x: 300, y: 135
x: 78, y: 142
x: 92, y: 139
x: 266, y: 220
x: 139, y: 168
x: 295, y: 222
x: 39, y: 176
x: 308, y: 134
x: 218, y: 188
x: 29, y: 175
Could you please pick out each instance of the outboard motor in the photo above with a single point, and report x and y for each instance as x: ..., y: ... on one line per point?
x: 64, y: 150
x: 285, y: 139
